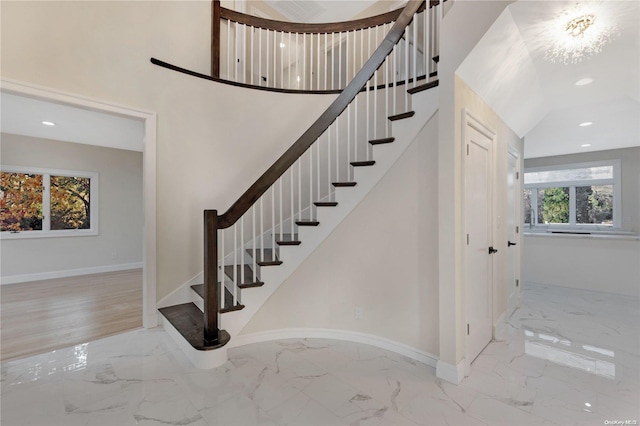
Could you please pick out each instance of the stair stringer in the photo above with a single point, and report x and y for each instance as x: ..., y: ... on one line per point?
x: 425, y: 105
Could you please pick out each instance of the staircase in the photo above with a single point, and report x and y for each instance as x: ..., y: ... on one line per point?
x: 251, y: 255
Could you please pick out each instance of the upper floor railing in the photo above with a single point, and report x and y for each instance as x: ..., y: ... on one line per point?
x: 318, y: 57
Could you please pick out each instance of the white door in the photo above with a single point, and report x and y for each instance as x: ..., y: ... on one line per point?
x: 513, y: 230
x: 479, y: 230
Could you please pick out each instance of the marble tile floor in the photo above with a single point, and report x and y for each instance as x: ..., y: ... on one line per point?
x: 566, y: 357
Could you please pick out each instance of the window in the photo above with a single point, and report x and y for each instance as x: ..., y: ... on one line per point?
x: 578, y: 196
x: 47, y: 203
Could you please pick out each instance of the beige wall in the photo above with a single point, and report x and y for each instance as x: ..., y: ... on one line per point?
x: 205, y: 130
x: 119, y: 202
x: 383, y: 258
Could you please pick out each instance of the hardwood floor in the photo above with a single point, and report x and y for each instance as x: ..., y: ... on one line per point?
x: 42, y: 316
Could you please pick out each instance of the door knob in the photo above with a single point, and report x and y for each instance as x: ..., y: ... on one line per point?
x: 492, y: 250
x: 509, y: 244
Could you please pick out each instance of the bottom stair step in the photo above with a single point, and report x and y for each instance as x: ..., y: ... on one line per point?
x: 189, y: 321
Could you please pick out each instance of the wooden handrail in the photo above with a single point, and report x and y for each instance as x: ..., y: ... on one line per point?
x: 268, y: 178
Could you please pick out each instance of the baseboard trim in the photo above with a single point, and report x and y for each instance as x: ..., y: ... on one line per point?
x: 351, y: 336
x: 16, y: 279
x: 449, y: 372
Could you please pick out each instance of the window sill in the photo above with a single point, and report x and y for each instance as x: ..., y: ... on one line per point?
x: 25, y: 235
x: 605, y: 235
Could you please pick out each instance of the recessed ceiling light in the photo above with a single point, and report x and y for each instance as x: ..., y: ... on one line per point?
x: 584, y: 81
x: 585, y: 124
x: 48, y: 123
x: 585, y: 145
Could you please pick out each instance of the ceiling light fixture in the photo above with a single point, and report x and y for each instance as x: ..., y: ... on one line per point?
x: 585, y: 124
x: 585, y: 145
x: 48, y: 123
x: 580, y: 32
x: 584, y: 81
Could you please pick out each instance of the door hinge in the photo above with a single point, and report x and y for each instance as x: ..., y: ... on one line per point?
x: 467, y: 239
x: 517, y: 283
x: 517, y: 175
x: 517, y: 229
x: 467, y: 329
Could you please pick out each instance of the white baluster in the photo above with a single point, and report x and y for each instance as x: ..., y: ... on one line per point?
x: 241, y: 254
x: 255, y: 237
x: 375, y: 95
x: 326, y: 63
x: 337, y: 149
x: 414, y: 26
x: 339, y: 60
x: 252, y: 42
x: 395, y: 78
x: 273, y: 221
x: 292, y: 211
x: 262, y: 228
x: 228, y: 49
x: 235, y: 264
x: 311, y: 182
x: 281, y: 210
x: 289, y: 62
x: 387, y: 89
x: 299, y: 188
x: 235, y: 54
x: 221, y: 276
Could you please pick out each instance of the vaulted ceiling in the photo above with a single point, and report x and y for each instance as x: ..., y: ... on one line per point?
x: 538, y: 98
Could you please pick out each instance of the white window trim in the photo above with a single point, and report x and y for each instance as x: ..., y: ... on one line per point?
x: 616, y: 181
x: 46, y: 232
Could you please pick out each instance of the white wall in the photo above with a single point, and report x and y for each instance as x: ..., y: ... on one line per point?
x: 213, y: 140
x: 599, y: 263
x: 120, y: 211
x: 382, y: 258
x: 607, y: 264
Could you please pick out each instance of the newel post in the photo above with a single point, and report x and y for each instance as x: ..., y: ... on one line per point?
x: 215, y: 39
x: 211, y: 276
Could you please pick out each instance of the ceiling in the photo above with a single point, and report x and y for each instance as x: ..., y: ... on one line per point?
x: 24, y: 116
x: 538, y: 98
x: 318, y: 11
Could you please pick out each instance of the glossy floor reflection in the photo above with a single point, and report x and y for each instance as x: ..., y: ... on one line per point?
x: 567, y: 357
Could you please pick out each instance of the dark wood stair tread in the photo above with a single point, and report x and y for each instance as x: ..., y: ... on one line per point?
x: 325, y: 203
x: 286, y: 239
x: 382, y: 141
x: 344, y: 184
x: 436, y: 58
x: 228, y: 298
x: 189, y: 321
x: 249, y: 277
x: 288, y: 242
x: 362, y: 163
x: 402, y: 116
x: 269, y: 257
x: 433, y: 74
x: 307, y: 223
x: 422, y: 87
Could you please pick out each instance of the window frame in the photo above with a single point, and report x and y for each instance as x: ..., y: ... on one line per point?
x: 46, y: 231
x: 615, y: 181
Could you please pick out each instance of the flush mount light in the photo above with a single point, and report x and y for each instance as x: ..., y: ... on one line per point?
x: 585, y: 124
x: 48, y: 123
x: 585, y: 145
x: 580, y: 32
x: 584, y: 81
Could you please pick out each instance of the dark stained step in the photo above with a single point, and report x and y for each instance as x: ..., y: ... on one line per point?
x: 228, y: 298
x: 249, y: 277
x: 287, y: 239
x: 433, y: 74
x: 307, y: 223
x: 422, y: 87
x: 402, y: 116
x: 325, y: 203
x: 344, y: 184
x: 269, y: 257
x: 382, y: 141
x: 436, y: 59
x: 189, y: 321
x: 362, y: 163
